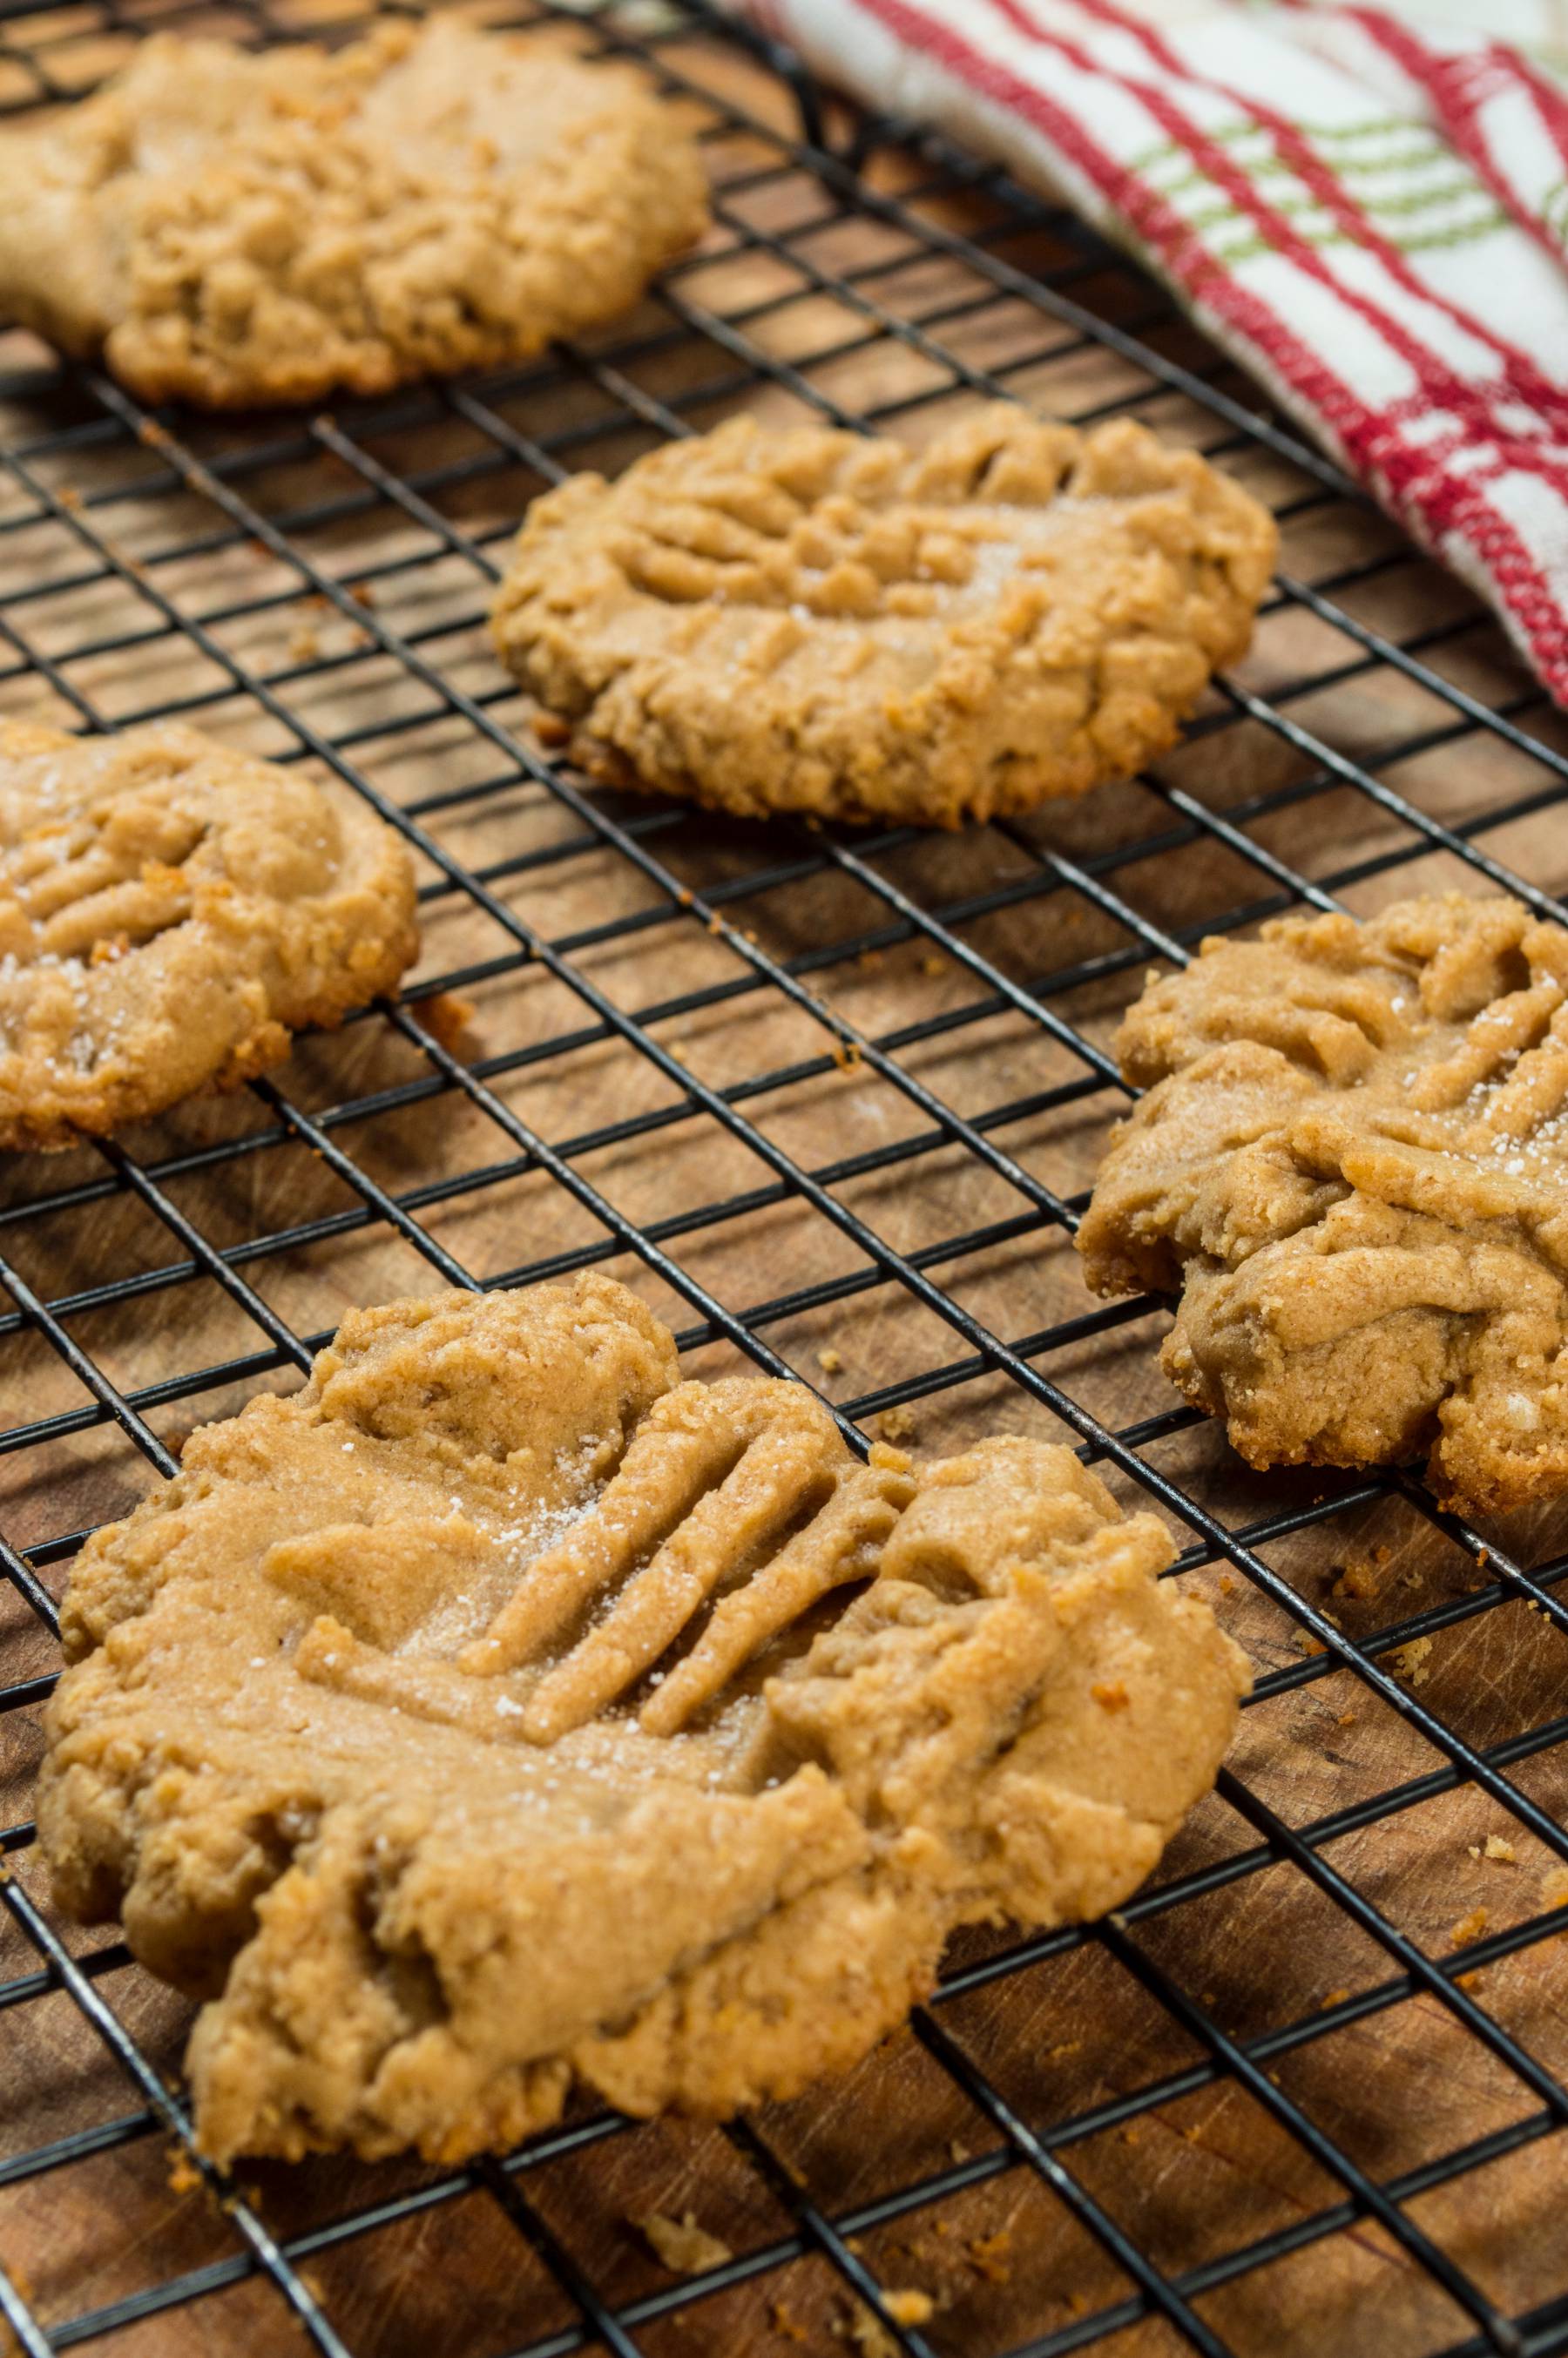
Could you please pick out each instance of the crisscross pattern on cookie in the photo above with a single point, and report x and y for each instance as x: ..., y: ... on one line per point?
x: 1352, y: 1158
x: 735, y: 1482
x: 234, y: 228
x: 468, y: 1718
x: 1013, y: 612
x: 170, y: 910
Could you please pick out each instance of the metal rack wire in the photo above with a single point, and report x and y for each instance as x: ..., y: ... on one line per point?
x: 1382, y: 728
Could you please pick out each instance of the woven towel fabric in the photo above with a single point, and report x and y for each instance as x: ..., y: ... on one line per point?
x: 1367, y: 207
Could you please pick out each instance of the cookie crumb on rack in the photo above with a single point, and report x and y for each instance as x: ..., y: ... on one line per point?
x: 1410, y: 1661
x: 447, y: 1016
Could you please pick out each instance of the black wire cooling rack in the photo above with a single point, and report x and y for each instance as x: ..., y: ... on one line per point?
x: 694, y: 1053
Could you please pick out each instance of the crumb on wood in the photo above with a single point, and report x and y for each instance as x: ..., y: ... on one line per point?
x: 896, y: 1424
x: 868, y: 960
x: 304, y: 643
x: 1555, y: 1888
x: 848, y: 1055
x: 933, y: 964
x: 184, y: 2177
x: 551, y: 729
x: 1472, y: 1980
x: 909, y: 2305
x: 1226, y: 1583
x: 958, y: 2153
x: 1345, y: 1719
x: 785, y: 2322
x: 1357, y: 1575
x: 829, y: 1361
x: 683, y: 2246
x: 988, y: 2255
x: 1497, y: 1846
x: 1306, y: 1644
x: 1469, y: 1927
x: 362, y: 593
x: 1333, y: 1998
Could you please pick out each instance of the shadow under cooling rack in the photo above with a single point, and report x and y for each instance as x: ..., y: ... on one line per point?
x: 832, y: 1102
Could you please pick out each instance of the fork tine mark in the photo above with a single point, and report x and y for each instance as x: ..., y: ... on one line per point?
x: 838, y: 1545
x: 757, y: 1498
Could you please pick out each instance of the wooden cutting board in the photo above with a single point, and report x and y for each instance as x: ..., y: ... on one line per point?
x: 1204, y: 2173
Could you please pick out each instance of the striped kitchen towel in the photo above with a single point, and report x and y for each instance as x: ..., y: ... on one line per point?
x: 1367, y: 207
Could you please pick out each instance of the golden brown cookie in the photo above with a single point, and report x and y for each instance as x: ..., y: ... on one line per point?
x: 497, y: 1713
x: 1352, y: 1160
x: 233, y: 228
x: 812, y: 621
x: 169, y: 911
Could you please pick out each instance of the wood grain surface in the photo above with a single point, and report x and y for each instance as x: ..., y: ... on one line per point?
x: 107, y: 557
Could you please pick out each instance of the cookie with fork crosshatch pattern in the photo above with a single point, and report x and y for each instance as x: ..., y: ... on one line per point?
x: 810, y: 620
x: 232, y: 228
x: 170, y: 911
x: 1351, y: 1161
x: 498, y: 1714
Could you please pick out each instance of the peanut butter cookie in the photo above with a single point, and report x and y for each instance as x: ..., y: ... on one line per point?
x: 169, y: 911
x: 232, y: 228
x: 1353, y: 1161
x: 812, y: 621
x: 498, y: 1714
